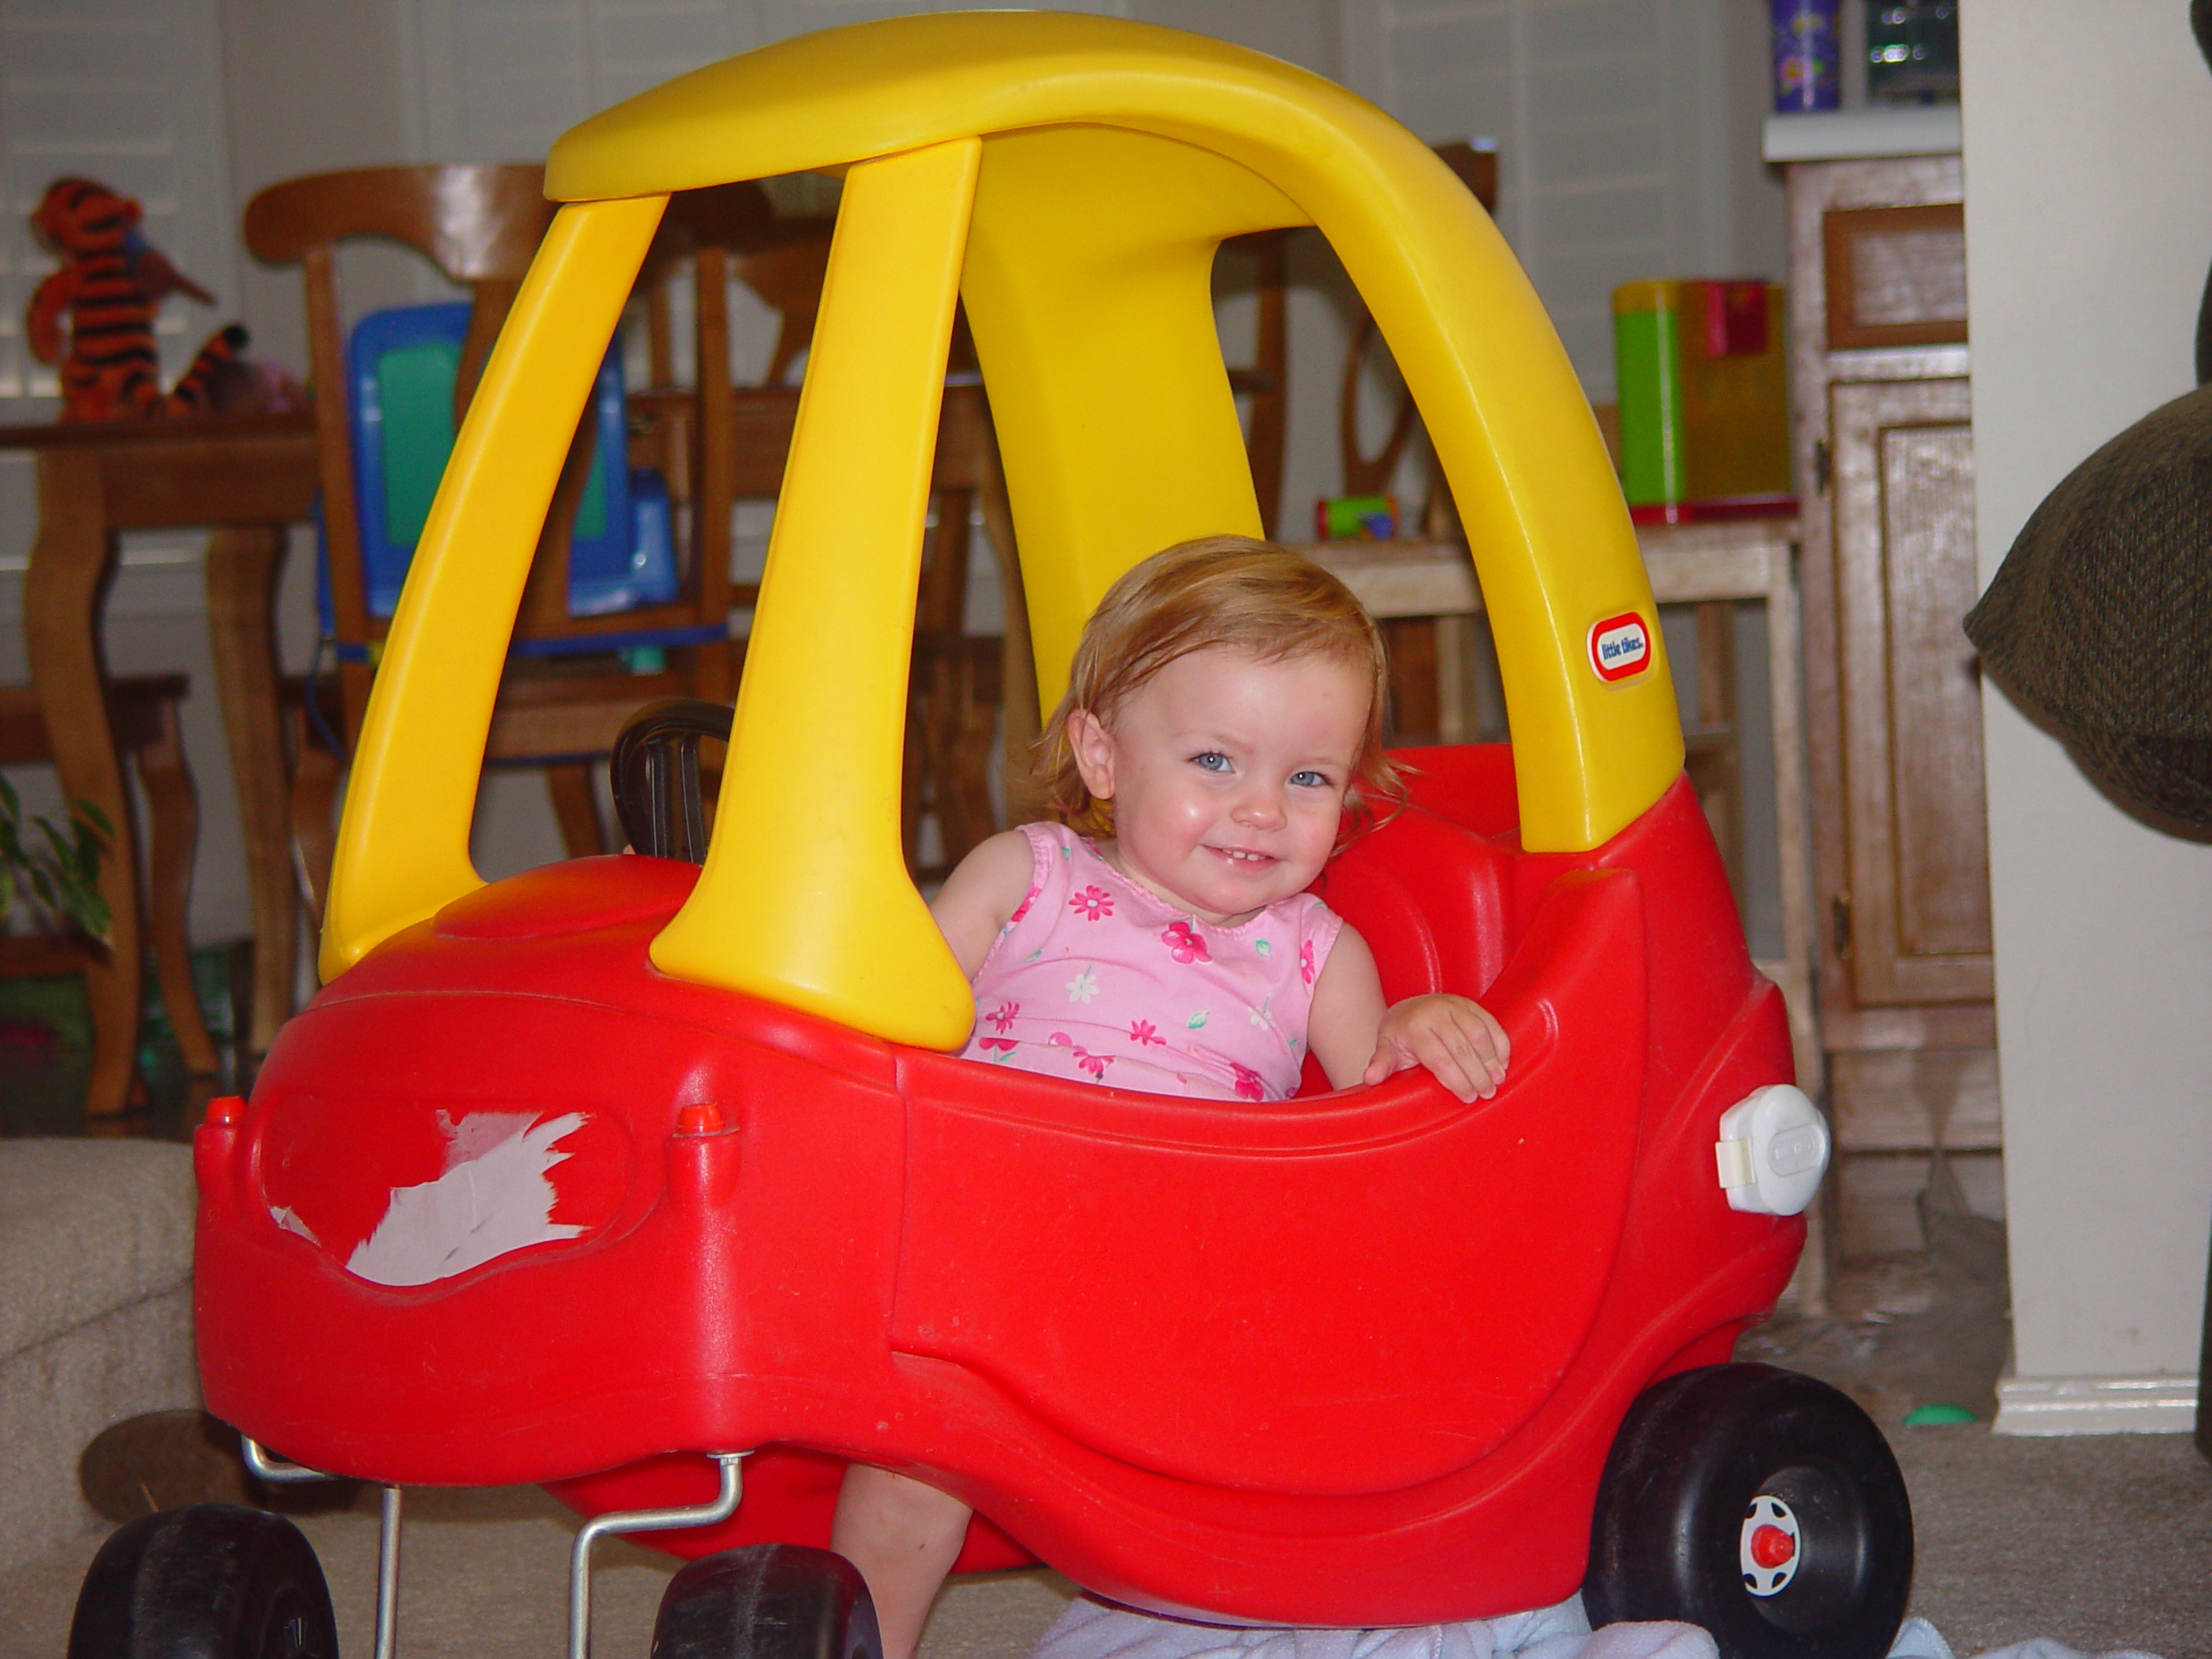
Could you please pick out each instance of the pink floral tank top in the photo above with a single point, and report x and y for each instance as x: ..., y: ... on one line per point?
x: 1094, y: 977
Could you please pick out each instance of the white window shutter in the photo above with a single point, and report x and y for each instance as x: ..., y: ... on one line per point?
x: 128, y: 92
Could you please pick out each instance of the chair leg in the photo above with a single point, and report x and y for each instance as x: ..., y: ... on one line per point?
x: 172, y: 838
x: 577, y: 808
x: 314, y: 807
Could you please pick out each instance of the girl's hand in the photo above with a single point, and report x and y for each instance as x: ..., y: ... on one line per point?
x: 1459, y: 1041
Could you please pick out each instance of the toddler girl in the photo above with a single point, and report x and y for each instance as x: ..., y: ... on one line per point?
x: 1224, y: 712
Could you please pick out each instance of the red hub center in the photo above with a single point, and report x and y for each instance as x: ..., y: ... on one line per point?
x: 1771, y: 1547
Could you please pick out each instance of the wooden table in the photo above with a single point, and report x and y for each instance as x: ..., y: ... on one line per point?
x: 1688, y: 564
x: 246, y: 478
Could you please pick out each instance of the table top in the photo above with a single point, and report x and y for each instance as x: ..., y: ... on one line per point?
x: 1740, y: 558
x: 197, y: 428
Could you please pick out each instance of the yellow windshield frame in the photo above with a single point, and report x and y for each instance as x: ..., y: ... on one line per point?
x: 1070, y: 177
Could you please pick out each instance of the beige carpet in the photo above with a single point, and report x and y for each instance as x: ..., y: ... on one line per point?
x: 2100, y: 1544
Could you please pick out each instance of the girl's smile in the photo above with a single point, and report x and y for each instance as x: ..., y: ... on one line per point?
x: 1228, y: 775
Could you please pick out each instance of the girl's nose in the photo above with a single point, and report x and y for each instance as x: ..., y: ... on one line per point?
x: 1260, y: 807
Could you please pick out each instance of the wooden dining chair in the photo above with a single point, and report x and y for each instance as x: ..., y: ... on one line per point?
x: 565, y: 695
x: 142, y: 713
x: 722, y: 440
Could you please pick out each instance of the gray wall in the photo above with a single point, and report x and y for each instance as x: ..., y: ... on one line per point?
x: 2088, y: 165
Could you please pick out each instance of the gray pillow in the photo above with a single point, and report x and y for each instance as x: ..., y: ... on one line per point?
x: 2098, y: 623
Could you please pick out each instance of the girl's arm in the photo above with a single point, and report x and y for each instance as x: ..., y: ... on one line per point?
x: 979, y: 895
x: 1359, y: 1038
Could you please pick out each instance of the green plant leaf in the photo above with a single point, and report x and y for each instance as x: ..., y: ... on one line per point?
x: 57, y: 871
x: 63, y: 853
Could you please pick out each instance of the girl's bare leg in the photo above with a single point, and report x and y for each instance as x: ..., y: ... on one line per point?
x: 904, y: 1536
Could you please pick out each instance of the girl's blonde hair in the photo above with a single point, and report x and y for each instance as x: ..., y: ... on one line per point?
x: 1225, y: 591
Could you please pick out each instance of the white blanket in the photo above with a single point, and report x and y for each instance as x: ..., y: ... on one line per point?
x: 1092, y: 1629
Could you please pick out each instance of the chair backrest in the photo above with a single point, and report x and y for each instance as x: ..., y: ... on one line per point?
x: 743, y: 438
x: 480, y: 225
x: 781, y: 258
x: 720, y: 442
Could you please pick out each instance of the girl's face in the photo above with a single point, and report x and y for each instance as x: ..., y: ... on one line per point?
x: 1228, y: 775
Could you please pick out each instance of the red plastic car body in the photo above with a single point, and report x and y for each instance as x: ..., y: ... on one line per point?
x: 1351, y: 1359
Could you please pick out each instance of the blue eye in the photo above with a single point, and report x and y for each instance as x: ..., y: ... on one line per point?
x: 1309, y: 779
x: 1211, y: 761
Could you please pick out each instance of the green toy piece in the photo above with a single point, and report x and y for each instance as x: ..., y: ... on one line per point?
x: 1937, y: 1412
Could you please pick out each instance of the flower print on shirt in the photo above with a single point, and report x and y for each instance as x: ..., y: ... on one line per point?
x: 1002, y: 1017
x: 1107, y: 981
x: 1184, y: 942
x: 1022, y: 909
x: 1084, y: 1060
x: 1092, y: 904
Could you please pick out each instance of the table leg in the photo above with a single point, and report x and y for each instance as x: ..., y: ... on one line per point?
x: 1786, y: 691
x: 172, y: 842
x: 1716, y: 712
x: 63, y: 590
x: 243, y: 562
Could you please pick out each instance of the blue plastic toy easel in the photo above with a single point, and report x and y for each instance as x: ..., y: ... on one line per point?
x: 401, y: 368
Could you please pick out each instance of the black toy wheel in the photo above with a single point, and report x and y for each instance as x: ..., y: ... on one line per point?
x: 214, y: 1581
x: 766, y: 1601
x: 1763, y: 1505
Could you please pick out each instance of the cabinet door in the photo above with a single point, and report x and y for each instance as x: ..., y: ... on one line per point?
x: 1916, y: 915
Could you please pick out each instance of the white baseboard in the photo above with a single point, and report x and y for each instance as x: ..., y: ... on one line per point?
x: 2096, y: 1405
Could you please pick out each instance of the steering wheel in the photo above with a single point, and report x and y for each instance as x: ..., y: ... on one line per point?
x: 656, y: 776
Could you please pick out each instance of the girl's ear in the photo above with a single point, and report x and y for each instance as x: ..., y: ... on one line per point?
x: 1092, y: 745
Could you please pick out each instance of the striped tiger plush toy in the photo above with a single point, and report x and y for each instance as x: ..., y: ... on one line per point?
x: 109, y: 284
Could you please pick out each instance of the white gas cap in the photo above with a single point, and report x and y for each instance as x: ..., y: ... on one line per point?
x: 1773, y: 1151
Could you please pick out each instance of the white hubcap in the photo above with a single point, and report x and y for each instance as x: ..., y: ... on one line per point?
x: 1769, y: 1548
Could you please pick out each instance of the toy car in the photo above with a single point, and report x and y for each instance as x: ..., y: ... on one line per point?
x: 589, y: 1174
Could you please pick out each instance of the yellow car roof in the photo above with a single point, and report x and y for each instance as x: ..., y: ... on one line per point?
x: 1070, y: 177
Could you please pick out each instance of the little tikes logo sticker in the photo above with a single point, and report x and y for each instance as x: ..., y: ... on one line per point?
x: 1619, y: 646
